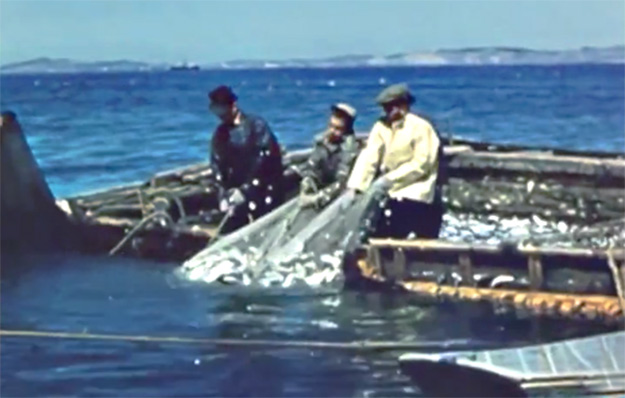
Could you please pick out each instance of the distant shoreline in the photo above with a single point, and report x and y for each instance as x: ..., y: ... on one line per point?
x: 260, y: 69
x: 467, y: 57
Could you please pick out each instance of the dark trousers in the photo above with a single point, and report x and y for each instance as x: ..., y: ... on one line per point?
x: 400, y: 218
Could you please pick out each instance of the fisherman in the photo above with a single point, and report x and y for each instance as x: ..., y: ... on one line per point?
x: 325, y: 173
x: 403, y: 151
x: 246, y: 161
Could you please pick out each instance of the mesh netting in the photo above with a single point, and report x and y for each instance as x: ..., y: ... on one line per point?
x: 290, y: 246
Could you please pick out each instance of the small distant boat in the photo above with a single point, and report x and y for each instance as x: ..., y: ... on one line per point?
x: 184, y: 67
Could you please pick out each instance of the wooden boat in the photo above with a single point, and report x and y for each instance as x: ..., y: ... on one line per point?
x: 591, y: 366
x: 482, y: 178
x: 173, y: 215
x: 578, y: 187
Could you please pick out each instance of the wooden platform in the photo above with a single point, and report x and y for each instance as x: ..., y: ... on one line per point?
x: 552, y: 282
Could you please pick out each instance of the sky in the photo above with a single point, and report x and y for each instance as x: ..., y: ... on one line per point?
x: 207, y: 31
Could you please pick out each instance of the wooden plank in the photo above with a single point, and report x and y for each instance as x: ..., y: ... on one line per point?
x: 446, y: 246
x: 114, y: 221
x: 540, y: 163
x: 466, y: 269
x: 431, y: 244
x: 396, y: 269
x: 197, y: 230
x: 373, y: 256
x: 538, y: 303
x: 535, y: 270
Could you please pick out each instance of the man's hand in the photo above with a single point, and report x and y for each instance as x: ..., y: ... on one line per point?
x: 232, y: 198
x: 307, y: 185
x: 381, y: 186
x: 308, y: 200
x: 235, y: 197
x: 351, y: 196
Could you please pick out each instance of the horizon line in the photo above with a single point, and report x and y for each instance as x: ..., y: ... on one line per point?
x: 312, y: 58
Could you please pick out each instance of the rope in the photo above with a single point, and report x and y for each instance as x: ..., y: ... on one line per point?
x: 347, y: 346
x: 221, y: 225
x: 142, y: 203
x: 183, y: 213
x: 618, y: 282
x: 137, y: 228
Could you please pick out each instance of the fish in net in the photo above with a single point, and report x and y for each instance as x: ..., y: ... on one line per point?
x: 291, y: 246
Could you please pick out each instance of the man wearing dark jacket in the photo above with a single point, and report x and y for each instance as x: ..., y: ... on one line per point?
x: 246, y: 160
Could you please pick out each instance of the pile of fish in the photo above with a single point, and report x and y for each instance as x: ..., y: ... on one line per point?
x: 492, y: 229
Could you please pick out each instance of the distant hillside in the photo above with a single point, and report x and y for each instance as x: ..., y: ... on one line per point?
x: 463, y: 56
x: 63, y: 65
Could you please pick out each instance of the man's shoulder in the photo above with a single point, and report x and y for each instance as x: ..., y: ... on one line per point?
x: 350, y: 142
x: 381, y: 124
x: 417, y: 121
x: 319, y: 138
x: 255, y: 120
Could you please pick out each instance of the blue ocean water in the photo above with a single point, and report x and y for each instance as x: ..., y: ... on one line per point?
x: 94, y: 131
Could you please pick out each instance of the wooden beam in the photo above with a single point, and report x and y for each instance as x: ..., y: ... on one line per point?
x: 537, y: 303
x: 466, y: 269
x: 396, y: 269
x: 373, y: 258
x: 446, y: 246
x: 535, y: 270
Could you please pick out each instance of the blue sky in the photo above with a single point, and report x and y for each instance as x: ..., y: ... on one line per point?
x: 211, y: 31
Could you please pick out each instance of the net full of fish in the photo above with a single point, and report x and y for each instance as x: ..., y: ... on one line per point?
x: 288, y: 247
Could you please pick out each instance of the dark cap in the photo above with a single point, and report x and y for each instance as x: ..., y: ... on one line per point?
x: 222, y: 95
x: 394, y: 93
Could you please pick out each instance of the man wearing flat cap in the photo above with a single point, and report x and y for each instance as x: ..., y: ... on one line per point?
x: 246, y: 160
x: 403, y: 153
x: 325, y: 173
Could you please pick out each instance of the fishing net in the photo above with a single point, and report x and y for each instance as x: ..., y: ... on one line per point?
x: 290, y: 246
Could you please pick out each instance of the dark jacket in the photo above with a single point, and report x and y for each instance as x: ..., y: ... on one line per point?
x: 247, y: 156
x: 330, y: 164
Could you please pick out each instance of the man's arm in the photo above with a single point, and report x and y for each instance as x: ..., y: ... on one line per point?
x: 311, y: 168
x: 368, y: 161
x: 216, y: 160
x: 263, y: 148
x: 349, y: 153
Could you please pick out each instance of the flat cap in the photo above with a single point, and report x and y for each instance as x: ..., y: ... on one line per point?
x: 222, y: 95
x: 347, y: 109
x: 393, y: 93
